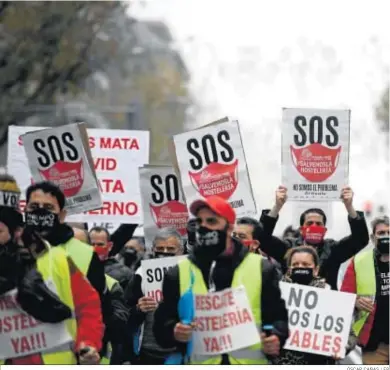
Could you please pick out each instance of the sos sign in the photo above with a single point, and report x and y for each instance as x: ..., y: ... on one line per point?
x: 166, y: 189
x: 208, y: 150
x: 54, y: 149
x: 316, y: 131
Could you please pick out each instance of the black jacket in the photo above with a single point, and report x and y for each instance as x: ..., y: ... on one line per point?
x: 273, y: 308
x: 332, y: 253
x: 117, y: 271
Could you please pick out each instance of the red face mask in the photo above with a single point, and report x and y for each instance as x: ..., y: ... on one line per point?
x: 102, y: 252
x: 313, y: 234
x: 247, y: 243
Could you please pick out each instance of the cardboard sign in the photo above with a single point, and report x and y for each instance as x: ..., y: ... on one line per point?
x: 22, y: 335
x: 153, y: 271
x: 211, y: 161
x: 318, y: 325
x: 315, y: 153
x: 224, y: 322
x: 116, y: 154
x: 59, y: 155
x: 9, y: 199
x: 162, y: 201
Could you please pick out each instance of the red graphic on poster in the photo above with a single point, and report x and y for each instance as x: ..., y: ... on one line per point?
x: 171, y: 214
x: 216, y: 179
x: 69, y: 176
x: 315, y: 162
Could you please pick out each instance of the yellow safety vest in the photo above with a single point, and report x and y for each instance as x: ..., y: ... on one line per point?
x: 61, y: 275
x: 80, y: 253
x: 365, y: 283
x: 248, y: 274
x: 107, y: 357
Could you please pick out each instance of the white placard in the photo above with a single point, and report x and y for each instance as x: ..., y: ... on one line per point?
x: 162, y: 201
x: 153, y: 271
x: 22, y: 335
x: 211, y: 161
x: 117, y: 154
x: 224, y: 322
x: 59, y: 155
x: 317, y: 324
x: 315, y: 153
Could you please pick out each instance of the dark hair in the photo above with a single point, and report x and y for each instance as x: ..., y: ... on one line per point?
x: 48, y: 188
x: 290, y: 230
x: 379, y: 220
x: 99, y: 229
x: 312, y: 210
x: 140, y: 240
x: 302, y: 249
x: 257, y: 226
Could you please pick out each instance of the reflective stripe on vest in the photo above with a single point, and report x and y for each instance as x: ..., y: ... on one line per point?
x: 365, y: 283
x: 80, y: 253
x: 55, y: 263
x: 248, y: 274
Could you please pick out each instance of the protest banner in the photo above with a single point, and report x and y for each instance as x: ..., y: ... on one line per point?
x: 224, y: 322
x: 61, y: 156
x: 116, y: 154
x: 315, y: 153
x: 153, y: 271
x: 22, y: 335
x: 211, y: 161
x: 318, y: 325
x: 163, y: 203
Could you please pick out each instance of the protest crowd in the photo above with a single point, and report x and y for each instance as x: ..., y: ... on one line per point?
x: 209, y: 282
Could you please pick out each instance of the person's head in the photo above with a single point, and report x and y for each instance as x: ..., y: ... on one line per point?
x: 380, y: 234
x: 11, y: 219
x: 100, y: 241
x: 290, y: 233
x: 45, y: 207
x: 215, y: 219
x: 313, y: 222
x: 248, y: 230
x: 303, y: 264
x: 82, y: 235
x: 133, y: 251
x: 167, y: 243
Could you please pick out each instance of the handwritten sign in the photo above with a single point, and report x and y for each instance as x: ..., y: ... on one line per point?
x: 317, y: 324
x: 22, y: 335
x: 224, y: 322
x: 153, y: 272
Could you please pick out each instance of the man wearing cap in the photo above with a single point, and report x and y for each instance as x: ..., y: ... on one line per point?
x: 217, y: 262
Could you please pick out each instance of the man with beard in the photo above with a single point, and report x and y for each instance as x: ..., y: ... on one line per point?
x: 218, y: 262
x: 312, y: 232
x: 167, y: 243
x: 368, y: 276
x: 49, y: 288
x: 45, y: 214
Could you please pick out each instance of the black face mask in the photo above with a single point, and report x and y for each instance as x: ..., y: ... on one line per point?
x: 302, y: 275
x: 383, y: 245
x: 163, y: 254
x: 130, y: 256
x: 210, y: 243
x: 42, y: 220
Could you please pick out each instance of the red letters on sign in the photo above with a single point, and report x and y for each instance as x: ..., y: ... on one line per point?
x: 125, y: 143
x: 111, y: 186
x: 214, y: 302
x: 28, y: 343
x: 105, y: 164
x: 218, y: 344
x: 116, y: 209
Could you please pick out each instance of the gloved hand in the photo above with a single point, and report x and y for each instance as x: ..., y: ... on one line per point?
x: 39, y: 301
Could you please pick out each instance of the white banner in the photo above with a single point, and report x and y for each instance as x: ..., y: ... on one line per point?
x: 211, y: 161
x: 315, y: 153
x: 153, y: 271
x: 224, y: 322
x: 22, y: 335
x: 162, y: 201
x: 318, y: 325
x: 60, y: 155
x: 117, y: 154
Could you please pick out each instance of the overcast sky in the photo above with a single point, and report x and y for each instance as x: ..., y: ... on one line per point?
x: 250, y: 58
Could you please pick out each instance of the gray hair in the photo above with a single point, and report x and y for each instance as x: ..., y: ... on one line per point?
x: 166, y: 233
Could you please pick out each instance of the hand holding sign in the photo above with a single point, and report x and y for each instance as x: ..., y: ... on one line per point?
x: 147, y: 304
x: 182, y: 332
x: 271, y: 345
x: 364, y: 304
x: 88, y: 355
x: 280, y: 196
x: 347, y: 196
